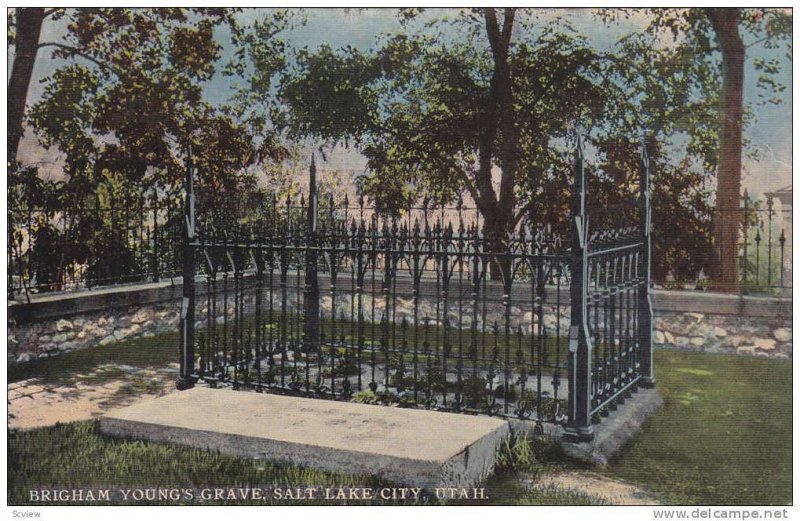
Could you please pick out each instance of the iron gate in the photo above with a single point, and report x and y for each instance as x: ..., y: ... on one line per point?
x: 343, y: 301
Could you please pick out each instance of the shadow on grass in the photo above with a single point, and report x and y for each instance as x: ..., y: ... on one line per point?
x: 155, y: 352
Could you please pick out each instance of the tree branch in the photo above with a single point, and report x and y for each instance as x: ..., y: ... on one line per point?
x: 518, y: 217
x: 508, y: 24
x: 473, y: 192
x: 764, y: 39
x: 77, y: 52
x: 725, y: 22
x: 499, y: 114
x: 492, y: 30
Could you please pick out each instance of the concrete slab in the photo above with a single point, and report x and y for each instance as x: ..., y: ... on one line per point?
x: 419, y: 448
x: 614, y: 431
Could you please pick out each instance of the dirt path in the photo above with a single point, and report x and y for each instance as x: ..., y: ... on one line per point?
x: 613, y: 491
x: 34, y: 403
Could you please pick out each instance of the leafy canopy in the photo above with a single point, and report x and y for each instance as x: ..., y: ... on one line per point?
x: 129, y: 98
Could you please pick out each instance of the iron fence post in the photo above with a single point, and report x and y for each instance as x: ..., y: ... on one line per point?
x: 156, y: 275
x: 10, y: 248
x: 770, y: 215
x: 186, y: 379
x: 745, y: 258
x: 580, y: 357
x: 311, y: 293
x: 782, y: 241
x: 645, y: 312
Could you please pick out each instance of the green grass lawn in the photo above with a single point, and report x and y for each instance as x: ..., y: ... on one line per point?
x: 153, y: 352
x: 724, y: 435
x: 77, y: 456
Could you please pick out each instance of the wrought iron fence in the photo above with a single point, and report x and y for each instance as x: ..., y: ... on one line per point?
x: 764, y: 257
x: 64, y: 247
x: 93, y: 243
x: 420, y: 309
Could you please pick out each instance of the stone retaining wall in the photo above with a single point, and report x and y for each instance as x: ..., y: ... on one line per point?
x: 712, y: 333
x: 51, y: 337
x: 53, y: 324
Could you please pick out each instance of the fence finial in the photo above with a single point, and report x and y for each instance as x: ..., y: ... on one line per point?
x: 579, y: 195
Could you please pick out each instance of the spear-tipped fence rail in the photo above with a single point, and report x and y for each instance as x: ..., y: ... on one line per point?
x: 342, y: 301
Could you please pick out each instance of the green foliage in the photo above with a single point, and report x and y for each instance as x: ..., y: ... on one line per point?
x: 425, y: 106
x: 82, y: 231
x: 531, y: 456
x: 46, y: 257
x: 346, y: 365
x: 129, y: 98
x: 124, y: 106
x: 365, y: 396
x: 682, y: 102
x: 417, y: 108
x: 261, y: 55
x: 383, y: 398
x: 516, y: 454
x: 679, y: 81
x: 331, y: 93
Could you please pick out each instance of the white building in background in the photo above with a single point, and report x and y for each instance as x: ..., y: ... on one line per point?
x: 783, y: 211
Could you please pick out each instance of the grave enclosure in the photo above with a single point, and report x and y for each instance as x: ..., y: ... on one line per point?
x: 348, y: 303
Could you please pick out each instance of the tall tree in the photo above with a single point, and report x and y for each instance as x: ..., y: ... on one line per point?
x: 478, y: 103
x: 128, y: 96
x: 498, y: 120
x: 709, y: 45
x: 25, y: 26
x: 725, y: 22
x: 486, y: 103
x: 123, y: 104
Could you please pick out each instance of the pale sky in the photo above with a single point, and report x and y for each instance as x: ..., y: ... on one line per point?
x: 771, y: 134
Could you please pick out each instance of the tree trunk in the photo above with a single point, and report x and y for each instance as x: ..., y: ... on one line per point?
x: 725, y: 22
x: 498, y: 209
x: 29, y: 26
x: 496, y: 232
